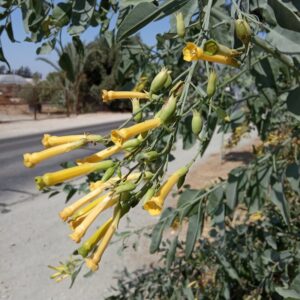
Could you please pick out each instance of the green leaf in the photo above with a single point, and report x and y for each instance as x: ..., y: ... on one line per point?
x: 171, y: 252
x: 195, y: 224
x: 296, y: 283
x: 284, y: 40
x: 288, y: 293
x: 2, y: 57
x: 9, y: 30
x: 188, y: 293
x: 46, y: 47
x: 66, y: 64
x: 125, y: 3
x: 143, y: 13
x: 292, y: 101
x: 278, y: 198
x: 232, y: 273
x: 232, y: 190
x: 165, y: 220
x: 214, y: 200
x: 186, y: 197
x: 285, y: 16
x: 293, y: 176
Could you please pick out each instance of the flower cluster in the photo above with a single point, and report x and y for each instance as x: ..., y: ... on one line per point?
x: 116, y: 189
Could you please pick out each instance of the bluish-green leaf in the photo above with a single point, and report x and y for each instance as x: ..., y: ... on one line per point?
x: 143, y: 13
x: 292, y: 101
x: 195, y: 225
x: 278, y: 198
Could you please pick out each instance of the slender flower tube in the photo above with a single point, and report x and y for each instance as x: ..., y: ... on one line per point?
x: 99, y: 156
x: 52, y: 140
x: 93, y: 262
x: 192, y: 52
x: 120, y: 136
x: 108, y: 96
x: 69, y: 210
x: 84, y: 211
x: 155, y: 204
x: 54, y: 178
x: 31, y: 159
x: 91, y: 242
x: 80, y: 231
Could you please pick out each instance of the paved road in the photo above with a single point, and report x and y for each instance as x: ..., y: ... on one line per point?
x: 32, y: 235
x: 18, y: 181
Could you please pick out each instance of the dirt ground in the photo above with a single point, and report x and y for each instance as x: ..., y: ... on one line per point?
x: 216, y: 166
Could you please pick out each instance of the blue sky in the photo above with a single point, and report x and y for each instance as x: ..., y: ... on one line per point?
x: 24, y: 53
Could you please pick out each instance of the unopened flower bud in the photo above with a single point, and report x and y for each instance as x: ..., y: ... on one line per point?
x: 131, y: 143
x: 180, y: 26
x: 148, y: 156
x: 159, y: 81
x: 212, y: 84
x: 168, y: 81
x: 125, y: 187
x: 136, y: 110
x: 108, y: 174
x: 243, y: 31
x: 196, y: 122
x: 168, y: 109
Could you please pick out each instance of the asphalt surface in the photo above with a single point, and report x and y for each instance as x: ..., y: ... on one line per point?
x: 17, y: 179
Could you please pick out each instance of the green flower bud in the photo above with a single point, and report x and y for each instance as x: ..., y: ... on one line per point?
x: 243, y: 31
x: 90, y: 243
x: 168, y: 81
x: 131, y: 143
x: 136, y: 108
x: 180, y: 26
x: 196, y: 122
x: 127, y: 186
x: 159, y: 81
x: 148, y: 156
x: 108, y: 174
x: 168, y: 109
x: 212, y: 84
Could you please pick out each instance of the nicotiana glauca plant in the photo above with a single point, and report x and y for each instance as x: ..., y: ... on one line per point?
x: 224, y: 65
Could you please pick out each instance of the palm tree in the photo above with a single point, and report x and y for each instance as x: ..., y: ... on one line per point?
x: 71, y: 88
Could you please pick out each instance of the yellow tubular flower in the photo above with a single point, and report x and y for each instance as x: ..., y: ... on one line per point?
x: 69, y: 210
x: 31, y: 159
x: 120, y: 136
x: 84, y: 211
x: 91, y: 242
x: 155, y: 204
x: 93, y: 262
x: 191, y: 52
x: 99, y: 156
x: 54, y: 178
x: 80, y: 231
x: 52, y: 140
x: 108, y: 96
x: 111, y: 181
